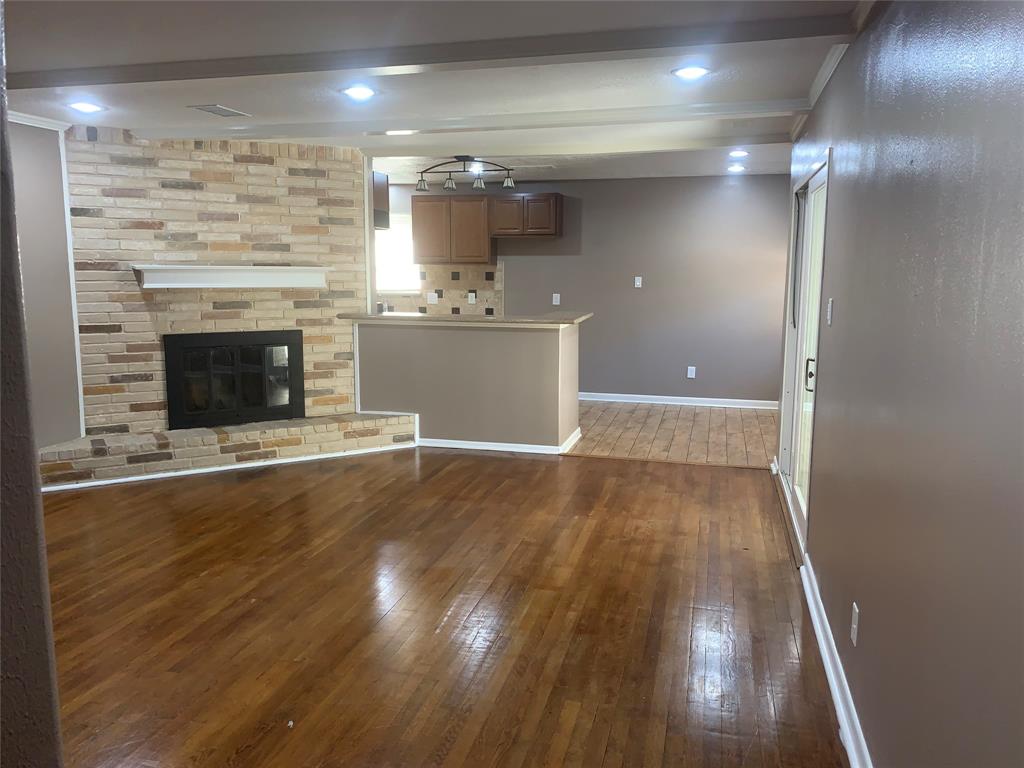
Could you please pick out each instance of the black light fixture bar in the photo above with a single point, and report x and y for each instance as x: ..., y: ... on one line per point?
x: 462, y: 164
x: 465, y: 161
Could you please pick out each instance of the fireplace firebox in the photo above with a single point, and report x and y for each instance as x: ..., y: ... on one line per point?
x: 233, y: 378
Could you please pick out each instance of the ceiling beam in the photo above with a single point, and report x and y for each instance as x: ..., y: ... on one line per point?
x: 528, y: 146
x: 582, y: 118
x: 515, y: 51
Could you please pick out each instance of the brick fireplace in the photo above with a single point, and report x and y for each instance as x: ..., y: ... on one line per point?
x: 214, y: 202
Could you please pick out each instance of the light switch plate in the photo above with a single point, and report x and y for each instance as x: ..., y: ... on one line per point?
x: 431, y: 298
x: 471, y: 297
x: 828, y: 312
x: 556, y: 299
x: 638, y: 281
x: 691, y: 372
x: 854, y: 623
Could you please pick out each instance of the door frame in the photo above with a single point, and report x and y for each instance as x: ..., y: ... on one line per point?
x: 782, y: 462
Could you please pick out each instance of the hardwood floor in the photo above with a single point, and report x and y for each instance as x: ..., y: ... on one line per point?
x: 735, y: 437
x: 435, y: 607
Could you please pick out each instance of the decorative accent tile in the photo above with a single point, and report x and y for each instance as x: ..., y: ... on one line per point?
x: 439, y: 280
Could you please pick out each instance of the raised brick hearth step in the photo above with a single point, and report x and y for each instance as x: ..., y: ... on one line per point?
x: 136, y: 455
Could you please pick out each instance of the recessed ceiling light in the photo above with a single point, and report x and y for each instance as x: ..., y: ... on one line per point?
x: 400, y: 132
x: 359, y: 92
x: 690, y: 73
x: 739, y: 153
x: 86, y: 107
x: 736, y: 168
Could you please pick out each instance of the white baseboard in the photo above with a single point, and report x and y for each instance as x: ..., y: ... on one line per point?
x: 716, y: 402
x: 849, y: 724
x: 471, y: 445
x: 791, y: 510
x: 223, y: 468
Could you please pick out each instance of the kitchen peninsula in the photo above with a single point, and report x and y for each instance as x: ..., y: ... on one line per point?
x: 475, y: 381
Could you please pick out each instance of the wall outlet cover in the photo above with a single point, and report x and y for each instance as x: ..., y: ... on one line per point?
x: 471, y: 297
x: 431, y: 298
x: 691, y: 372
x: 556, y: 299
x: 638, y: 281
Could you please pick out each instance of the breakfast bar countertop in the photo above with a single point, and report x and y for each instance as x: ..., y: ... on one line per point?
x: 548, y: 320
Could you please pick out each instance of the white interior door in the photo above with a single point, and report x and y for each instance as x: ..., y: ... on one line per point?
x: 812, y: 237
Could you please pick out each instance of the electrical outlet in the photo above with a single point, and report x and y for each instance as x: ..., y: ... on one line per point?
x: 854, y: 623
x: 638, y: 281
x: 471, y: 297
x: 431, y: 298
x: 556, y: 299
x: 691, y: 372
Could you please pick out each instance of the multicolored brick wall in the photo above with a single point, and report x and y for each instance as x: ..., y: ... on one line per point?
x: 111, y: 457
x: 213, y: 202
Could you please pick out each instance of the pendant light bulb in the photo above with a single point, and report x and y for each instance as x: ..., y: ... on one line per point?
x: 449, y: 184
x: 509, y: 182
x: 421, y: 185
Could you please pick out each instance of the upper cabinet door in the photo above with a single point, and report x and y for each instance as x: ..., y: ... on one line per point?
x: 471, y: 239
x: 542, y: 215
x: 431, y: 229
x: 506, y: 215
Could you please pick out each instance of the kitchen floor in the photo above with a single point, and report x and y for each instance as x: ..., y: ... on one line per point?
x: 684, y: 434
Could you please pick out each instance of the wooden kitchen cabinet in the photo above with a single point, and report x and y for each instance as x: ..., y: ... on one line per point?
x: 525, y: 214
x: 471, y: 241
x: 506, y: 215
x: 431, y: 229
x: 460, y: 229
x: 542, y: 214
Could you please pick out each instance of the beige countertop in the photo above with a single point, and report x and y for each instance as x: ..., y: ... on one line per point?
x: 549, y: 320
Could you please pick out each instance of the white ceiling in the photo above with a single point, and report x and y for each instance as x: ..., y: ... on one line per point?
x: 81, y: 33
x: 765, y: 158
x: 589, y: 108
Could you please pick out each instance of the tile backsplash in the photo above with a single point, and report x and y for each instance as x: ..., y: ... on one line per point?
x: 453, y: 285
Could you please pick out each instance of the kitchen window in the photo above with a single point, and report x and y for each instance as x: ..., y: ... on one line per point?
x: 395, y: 270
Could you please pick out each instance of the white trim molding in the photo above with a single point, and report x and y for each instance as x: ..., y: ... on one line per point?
x: 225, y: 467
x: 791, y: 508
x: 37, y: 122
x: 849, y: 724
x: 192, y: 275
x: 472, y: 445
x: 717, y: 402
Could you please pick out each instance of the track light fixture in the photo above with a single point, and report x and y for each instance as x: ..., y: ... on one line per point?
x: 469, y: 165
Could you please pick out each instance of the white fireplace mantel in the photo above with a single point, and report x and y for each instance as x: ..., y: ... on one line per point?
x: 190, y: 275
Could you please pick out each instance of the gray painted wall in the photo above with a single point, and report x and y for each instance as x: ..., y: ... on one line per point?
x: 28, y: 680
x: 917, y: 484
x: 42, y: 234
x: 712, y: 254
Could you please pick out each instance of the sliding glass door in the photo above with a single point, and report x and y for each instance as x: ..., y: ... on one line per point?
x: 808, y: 312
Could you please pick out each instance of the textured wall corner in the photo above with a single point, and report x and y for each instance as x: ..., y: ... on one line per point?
x: 28, y: 690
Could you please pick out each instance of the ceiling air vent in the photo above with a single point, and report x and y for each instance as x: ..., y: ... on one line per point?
x: 219, y: 110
